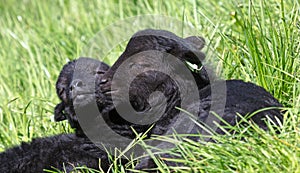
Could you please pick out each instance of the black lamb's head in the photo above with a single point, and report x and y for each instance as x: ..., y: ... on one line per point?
x: 75, y: 87
x: 144, y: 83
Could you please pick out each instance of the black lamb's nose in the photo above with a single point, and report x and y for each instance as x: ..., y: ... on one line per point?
x: 77, y: 83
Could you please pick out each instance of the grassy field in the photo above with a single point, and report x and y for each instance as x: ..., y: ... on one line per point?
x: 256, y: 41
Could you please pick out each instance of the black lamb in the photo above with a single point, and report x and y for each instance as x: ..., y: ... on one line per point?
x: 144, y: 51
x: 61, y: 152
x: 141, y: 53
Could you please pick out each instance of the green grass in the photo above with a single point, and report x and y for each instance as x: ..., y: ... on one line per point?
x: 256, y: 41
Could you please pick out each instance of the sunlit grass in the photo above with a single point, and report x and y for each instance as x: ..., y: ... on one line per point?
x: 256, y: 41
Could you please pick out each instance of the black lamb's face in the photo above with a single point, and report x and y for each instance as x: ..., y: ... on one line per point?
x: 75, y: 87
x: 82, y: 86
x: 135, y: 83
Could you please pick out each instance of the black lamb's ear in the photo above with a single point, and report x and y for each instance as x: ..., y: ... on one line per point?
x: 196, y: 41
x: 192, y: 49
x: 58, y: 112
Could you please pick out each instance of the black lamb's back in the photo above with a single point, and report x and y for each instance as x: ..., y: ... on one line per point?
x: 243, y: 98
x: 61, y: 152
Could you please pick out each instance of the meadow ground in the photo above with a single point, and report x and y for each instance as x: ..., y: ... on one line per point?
x: 257, y: 41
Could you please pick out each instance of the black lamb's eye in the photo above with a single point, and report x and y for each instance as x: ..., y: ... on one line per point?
x: 138, y: 105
